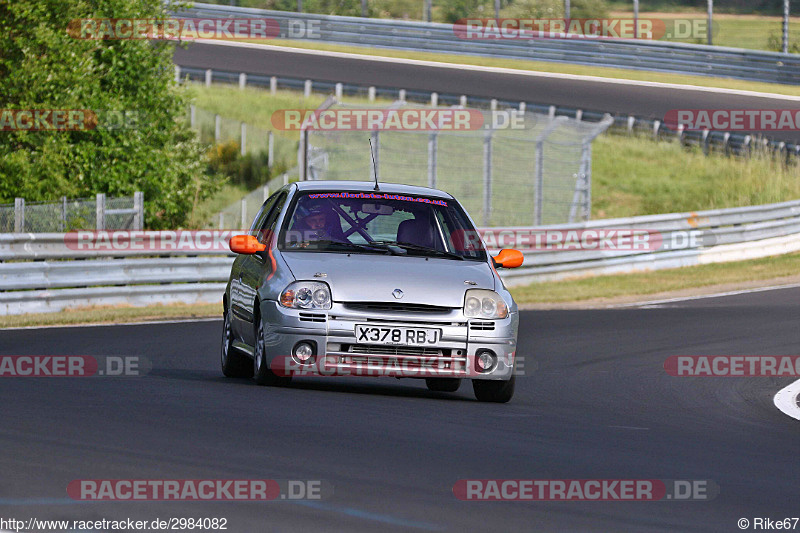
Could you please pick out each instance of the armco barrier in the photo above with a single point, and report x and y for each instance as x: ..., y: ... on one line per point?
x: 37, y: 275
x: 660, y: 56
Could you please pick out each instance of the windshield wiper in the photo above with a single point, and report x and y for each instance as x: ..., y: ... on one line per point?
x: 344, y: 245
x: 417, y: 248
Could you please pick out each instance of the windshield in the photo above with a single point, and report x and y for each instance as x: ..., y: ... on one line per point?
x: 380, y: 223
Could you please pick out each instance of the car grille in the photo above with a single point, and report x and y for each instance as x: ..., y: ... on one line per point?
x: 375, y: 349
x: 390, y: 307
x: 312, y: 317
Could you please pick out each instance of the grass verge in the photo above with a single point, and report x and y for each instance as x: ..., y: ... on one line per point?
x: 111, y: 315
x: 725, y: 275
x: 631, y: 175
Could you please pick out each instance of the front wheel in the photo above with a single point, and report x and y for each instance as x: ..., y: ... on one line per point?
x: 493, y: 391
x: 234, y: 363
x: 261, y: 371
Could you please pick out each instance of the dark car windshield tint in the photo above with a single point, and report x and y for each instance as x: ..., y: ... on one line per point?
x: 377, y: 222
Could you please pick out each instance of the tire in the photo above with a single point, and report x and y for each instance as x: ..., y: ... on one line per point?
x: 234, y: 363
x: 261, y: 371
x: 493, y: 391
x: 443, y: 384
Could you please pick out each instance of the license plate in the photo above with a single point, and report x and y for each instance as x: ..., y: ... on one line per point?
x: 396, y: 335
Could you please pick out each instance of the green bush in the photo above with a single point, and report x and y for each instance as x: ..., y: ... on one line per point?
x: 250, y: 170
x: 44, y: 67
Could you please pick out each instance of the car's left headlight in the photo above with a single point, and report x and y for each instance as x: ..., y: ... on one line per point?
x: 306, y: 295
x: 483, y: 303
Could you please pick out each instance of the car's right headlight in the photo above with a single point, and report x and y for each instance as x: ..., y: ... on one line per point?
x: 483, y: 303
x: 306, y: 295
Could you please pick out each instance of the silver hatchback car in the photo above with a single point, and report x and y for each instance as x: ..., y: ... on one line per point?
x: 343, y: 278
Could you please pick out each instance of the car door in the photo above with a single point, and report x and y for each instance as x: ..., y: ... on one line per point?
x: 238, y: 301
x: 256, y: 267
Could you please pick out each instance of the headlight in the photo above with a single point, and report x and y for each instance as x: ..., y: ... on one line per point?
x: 482, y: 303
x: 306, y: 295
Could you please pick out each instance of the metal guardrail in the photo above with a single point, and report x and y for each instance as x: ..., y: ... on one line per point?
x: 34, y: 277
x: 679, y: 58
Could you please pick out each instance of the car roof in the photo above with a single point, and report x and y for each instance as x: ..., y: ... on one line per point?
x: 369, y: 186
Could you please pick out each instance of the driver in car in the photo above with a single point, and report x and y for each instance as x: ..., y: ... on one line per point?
x: 319, y: 223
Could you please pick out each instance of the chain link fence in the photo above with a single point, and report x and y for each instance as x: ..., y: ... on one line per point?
x: 537, y: 174
x: 240, y: 214
x: 215, y: 129
x: 98, y: 213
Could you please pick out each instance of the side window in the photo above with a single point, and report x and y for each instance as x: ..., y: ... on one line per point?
x: 263, y: 212
x: 268, y: 226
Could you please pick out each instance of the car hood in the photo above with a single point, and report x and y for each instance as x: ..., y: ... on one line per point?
x: 372, y: 278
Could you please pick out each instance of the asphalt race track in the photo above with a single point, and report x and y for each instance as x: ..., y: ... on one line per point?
x: 599, y: 405
x: 639, y: 100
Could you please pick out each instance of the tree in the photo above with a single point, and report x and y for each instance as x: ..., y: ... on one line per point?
x: 141, y: 141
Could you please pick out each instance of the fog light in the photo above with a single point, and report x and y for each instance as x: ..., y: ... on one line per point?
x: 485, y: 360
x: 303, y: 353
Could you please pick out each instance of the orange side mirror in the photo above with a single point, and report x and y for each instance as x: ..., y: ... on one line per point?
x: 508, y: 258
x: 246, y: 244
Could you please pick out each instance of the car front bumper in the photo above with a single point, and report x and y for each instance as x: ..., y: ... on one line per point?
x: 333, y: 335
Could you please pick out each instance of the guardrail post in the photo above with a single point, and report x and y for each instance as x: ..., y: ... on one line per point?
x: 746, y: 145
x: 177, y: 74
x: 433, y: 145
x: 656, y: 127
x: 270, y: 149
x: 487, y: 177
x: 376, y: 147
x: 286, y: 179
x: 221, y: 223
x: 371, y: 93
x: 631, y: 122
x: 19, y: 215
x: 434, y: 99
x: 493, y: 104
x: 208, y: 78
x: 62, y: 227
x: 273, y: 85
x: 243, y: 139
x: 307, y: 89
x: 242, y: 80
x: 338, y: 91
x: 463, y: 100
x: 681, y: 129
x: 522, y: 107
x: 705, y: 142
x: 138, y: 204
x: 710, y: 21
x: 401, y: 95
x: 725, y: 142
x: 192, y: 121
x: 538, y: 192
x: 100, y: 211
x: 266, y: 193
x: 244, y: 213
x: 217, y: 128
x: 579, y: 114
x: 551, y: 112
